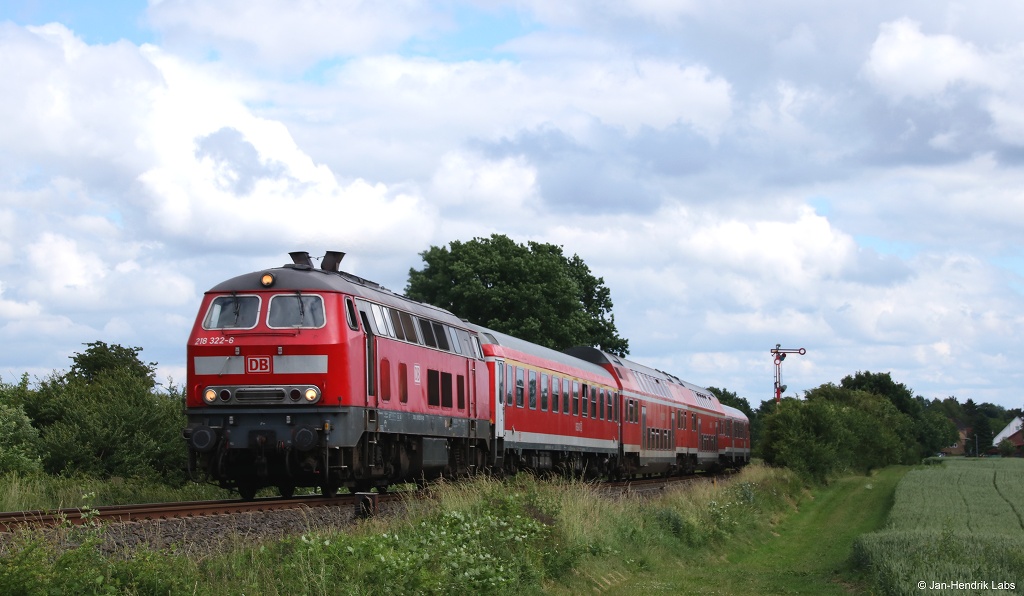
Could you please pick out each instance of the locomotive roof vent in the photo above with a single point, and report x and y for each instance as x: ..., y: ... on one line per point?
x: 301, y: 258
x: 332, y: 261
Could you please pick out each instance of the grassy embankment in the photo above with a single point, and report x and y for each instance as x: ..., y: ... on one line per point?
x: 761, y: 532
x: 960, y: 524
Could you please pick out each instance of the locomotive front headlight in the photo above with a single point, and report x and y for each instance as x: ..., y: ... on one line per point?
x: 210, y: 396
x: 267, y: 280
x: 311, y: 394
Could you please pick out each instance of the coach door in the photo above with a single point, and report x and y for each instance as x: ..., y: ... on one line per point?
x: 643, y: 435
x: 498, y: 409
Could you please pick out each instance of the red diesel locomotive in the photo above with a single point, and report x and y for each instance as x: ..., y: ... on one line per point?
x: 301, y: 376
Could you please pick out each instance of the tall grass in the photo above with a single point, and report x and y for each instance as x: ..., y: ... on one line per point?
x: 513, y: 536
x: 41, y: 492
x: 959, y: 522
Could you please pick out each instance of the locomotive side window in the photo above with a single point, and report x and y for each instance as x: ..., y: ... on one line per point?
x: 403, y: 382
x: 396, y: 323
x: 296, y: 310
x: 383, y: 321
x: 410, y: 327
x: 453, y: 335
x: 441, y: 336
x: 464, y: 342
x: 385, y: 379
x: 460, y: 386
x: 446, y: 390
x: 350, y: 311
x: 428, y: 333
x: 232, y: 312
x: 434, y: 388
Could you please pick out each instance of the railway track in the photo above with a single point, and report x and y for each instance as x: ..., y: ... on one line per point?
x: 166, y: 511
x: 361, y: 503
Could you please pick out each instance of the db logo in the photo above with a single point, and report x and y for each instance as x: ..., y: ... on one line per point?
x: 257, y: 364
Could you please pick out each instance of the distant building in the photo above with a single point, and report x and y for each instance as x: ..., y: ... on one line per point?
x: 958, y: 447
x: 1013, y: 428
x: 1014, y: 432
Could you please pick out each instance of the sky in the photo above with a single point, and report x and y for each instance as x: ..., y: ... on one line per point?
x: 844, y: 177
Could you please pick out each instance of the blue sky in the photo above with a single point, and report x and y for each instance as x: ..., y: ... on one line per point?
x: 842, y: 177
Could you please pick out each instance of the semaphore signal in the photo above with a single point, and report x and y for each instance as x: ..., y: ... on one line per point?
x: 780, y: 355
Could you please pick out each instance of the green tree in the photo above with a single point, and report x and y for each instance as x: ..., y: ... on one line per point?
x: 533, y: 292
x: 808, y: 437
x: 103, y: 418
x: 99, y: 358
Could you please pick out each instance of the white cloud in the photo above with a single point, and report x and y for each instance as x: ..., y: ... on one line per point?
x: 904, y: 62
x: 291, y: 33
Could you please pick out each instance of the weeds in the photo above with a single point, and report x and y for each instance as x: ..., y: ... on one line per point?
x: 516, y: 536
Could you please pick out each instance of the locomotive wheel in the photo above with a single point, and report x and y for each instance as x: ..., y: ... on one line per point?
x: 247, y: 490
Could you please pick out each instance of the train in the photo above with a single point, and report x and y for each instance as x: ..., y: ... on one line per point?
x: 311, y: 377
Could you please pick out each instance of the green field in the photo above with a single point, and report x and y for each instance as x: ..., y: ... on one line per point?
x: 953, y: 526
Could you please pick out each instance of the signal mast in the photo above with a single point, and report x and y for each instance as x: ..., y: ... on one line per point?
x: 780, y: 355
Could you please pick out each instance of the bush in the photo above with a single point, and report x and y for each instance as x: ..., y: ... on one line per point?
x: 19, y: 442
x: 114, y: 425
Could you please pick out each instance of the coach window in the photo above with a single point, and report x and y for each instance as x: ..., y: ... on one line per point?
x: 544, y: 392
x: 520, y: 381
x: 509, y: 384
x: 613, y: 411
x: 600, y: 404
x: 584, y: 400
x: 403, y: 382
x: 565, y: 396
x: 556, y: 393
x: 575, y: 398
x: 533, y: 390
x: 385, y: 379
x: 593, y: 402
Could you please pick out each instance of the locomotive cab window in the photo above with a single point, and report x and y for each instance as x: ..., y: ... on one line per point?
x: 296, y: 310
x: 232, y: 312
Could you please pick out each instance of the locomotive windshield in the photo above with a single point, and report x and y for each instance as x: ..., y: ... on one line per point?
x: 232, y: 312
x: 295, y: 310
